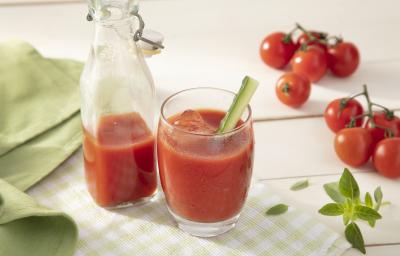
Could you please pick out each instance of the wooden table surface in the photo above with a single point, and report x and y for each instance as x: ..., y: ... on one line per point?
x: 215, y: 43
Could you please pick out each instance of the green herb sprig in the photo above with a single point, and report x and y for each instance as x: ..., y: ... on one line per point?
x: 347, y: 203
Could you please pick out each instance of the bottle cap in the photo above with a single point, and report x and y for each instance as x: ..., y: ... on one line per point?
x: 154, y: 36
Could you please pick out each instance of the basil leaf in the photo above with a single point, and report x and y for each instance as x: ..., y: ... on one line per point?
x: 331, y: 209
x: 366, y: 213
x: 372, y: 223
x: 277, y: 209
x: 332, y: 189
x: 299, y: 185
x: 378, y: 195
x: 354, y: 236
x: 346, y: 219
x: 368, y: 200
x: 348, y: 211
x: 348, y: 185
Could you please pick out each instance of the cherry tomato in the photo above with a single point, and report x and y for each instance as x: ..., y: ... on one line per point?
x: 353, y: 146
x: 381, y: 119
x: 293, y: 89
x: 277, y: 49
x: 337, y: 118
x: 303, y: 38
x: 343, y: 59
x: 386, y: 157
x: 310, y: 63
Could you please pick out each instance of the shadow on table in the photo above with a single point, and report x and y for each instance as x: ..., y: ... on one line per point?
x: 381, y: 79
x: 154, y: 211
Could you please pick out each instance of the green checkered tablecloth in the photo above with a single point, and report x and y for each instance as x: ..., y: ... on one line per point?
x: 150, y: 230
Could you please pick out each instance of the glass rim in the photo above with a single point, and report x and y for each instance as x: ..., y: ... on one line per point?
x: 237, y: 129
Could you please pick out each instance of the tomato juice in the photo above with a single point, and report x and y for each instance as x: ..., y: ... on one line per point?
x: 119, y: 160
x: 205, y: 176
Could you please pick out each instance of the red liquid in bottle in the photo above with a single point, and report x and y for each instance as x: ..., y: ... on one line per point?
x: 119, y: 161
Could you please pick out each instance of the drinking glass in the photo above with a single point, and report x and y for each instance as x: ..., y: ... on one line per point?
x: 205, y: 175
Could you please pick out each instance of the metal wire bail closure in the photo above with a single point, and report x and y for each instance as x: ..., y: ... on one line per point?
x: 139, y: 33
x: 138, y: 36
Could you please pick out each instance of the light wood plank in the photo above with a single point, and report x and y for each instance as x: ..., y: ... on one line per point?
x: 295, y: 148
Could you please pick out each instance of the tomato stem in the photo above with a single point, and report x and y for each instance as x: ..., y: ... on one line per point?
x: 388, y: 131
x: 288, y: 36
x: 311, y: 37
x: 286, y: 88
x: 353, y: 120
x: 389, y: 113
x: 345, y: 100
x: 369, y: 104
x: 335, y: 40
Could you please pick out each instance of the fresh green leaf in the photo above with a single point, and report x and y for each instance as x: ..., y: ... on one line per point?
x: 372, y: 223
x: 354, y: 236
x: 346, y: 219
x: 348, y: 211
x: 332, y: 189
x: 378, y: 195
x: 277, y: 209
x: 366, y: 213
x: 299, y: 185
x: 332, y: 209
x: 386, y: 203
x: 239, y: 104
x: 368, y: 200
x: 348, y: 185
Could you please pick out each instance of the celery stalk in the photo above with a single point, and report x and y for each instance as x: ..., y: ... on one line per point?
x: 239, y: 104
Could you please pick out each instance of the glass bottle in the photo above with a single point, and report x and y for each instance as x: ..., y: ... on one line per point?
x: 117, y: 108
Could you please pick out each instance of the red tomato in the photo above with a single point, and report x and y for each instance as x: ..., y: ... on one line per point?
x: 343, y: 59
x: 293, y: 89
x: 275, y: 51
x: 353, y: 146
x: 310, y: 63
x: 303, y: 38
x: 381, y: 119
x: 386, y: 157
x: 337, y: 118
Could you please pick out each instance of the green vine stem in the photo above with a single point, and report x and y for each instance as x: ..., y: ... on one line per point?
x: 370, y: 114
x: 288, y: 36
x: 389, y: 113
x: 311, y: 37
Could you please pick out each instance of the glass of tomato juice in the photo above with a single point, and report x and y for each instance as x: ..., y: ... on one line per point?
x: 205, y: 175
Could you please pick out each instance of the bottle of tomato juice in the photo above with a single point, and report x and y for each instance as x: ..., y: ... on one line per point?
x: 118, y: 107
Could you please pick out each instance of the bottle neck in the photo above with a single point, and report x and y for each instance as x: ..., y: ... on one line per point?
x: 112, y: 32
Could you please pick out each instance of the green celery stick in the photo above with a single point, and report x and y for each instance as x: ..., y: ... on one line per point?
x: 242, y: 98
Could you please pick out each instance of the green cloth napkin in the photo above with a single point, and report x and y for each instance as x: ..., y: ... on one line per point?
x: 26, y: 228
x: 35, y: 94
x: 39, y: 128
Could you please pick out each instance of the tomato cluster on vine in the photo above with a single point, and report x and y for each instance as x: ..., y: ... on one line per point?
x: 361, y: 135
x: 310, y: 56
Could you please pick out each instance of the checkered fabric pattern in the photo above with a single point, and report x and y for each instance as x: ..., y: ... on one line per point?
x: 150, y: 230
